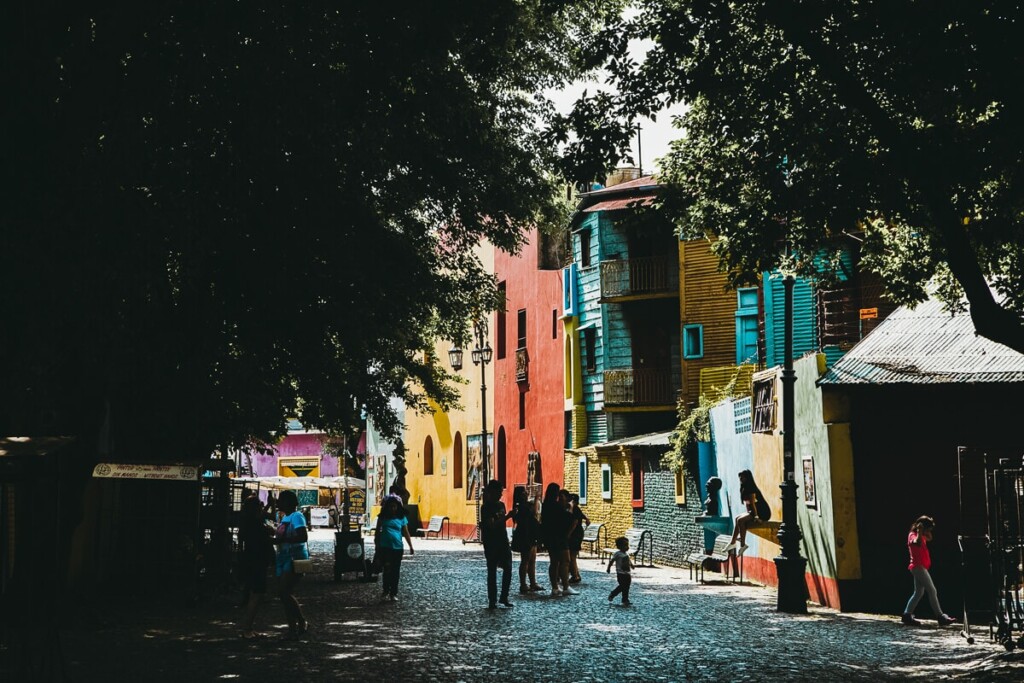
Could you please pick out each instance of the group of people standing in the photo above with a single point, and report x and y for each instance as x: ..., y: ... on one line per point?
x: 559, y: 530
x: 258, y: 536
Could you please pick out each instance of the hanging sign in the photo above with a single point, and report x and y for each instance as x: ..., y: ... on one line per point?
x: 356, y: 502
x: 110, y: 470
x: 302, y: 466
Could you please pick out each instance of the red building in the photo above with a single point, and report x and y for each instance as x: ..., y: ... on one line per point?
x: 529, y: 392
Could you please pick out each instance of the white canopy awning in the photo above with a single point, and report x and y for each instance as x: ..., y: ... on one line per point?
x: 304, y: 483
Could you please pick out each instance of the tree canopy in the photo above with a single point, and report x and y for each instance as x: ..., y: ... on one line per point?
x: 220, y: 214
x: 897, y: 121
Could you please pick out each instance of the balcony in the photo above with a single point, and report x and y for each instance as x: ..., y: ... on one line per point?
x: 637, y: 388
x: 650, y: 277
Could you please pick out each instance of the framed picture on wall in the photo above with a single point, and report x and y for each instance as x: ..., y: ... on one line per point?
x: 810, y: 494
x: 475, y: 464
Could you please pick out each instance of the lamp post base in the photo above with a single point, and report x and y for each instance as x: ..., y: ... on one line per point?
x: 792, y: 596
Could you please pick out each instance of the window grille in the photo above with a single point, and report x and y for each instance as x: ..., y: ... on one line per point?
x: 764, y: 405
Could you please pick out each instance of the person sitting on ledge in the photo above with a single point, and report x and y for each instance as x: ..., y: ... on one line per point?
x: 757, y: 510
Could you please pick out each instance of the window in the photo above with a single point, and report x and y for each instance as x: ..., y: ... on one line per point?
x: 568, y: 429
x: 585, y: 248
x: 583, y: 479
x: 522, y: 410
x: 638, y: 481
x: 746, y: 325
x: 457, y: 462
x: 606, y: 482
x: 693, y: 341
x: 554, y: 323
x: 680, y: 488
x: 499, y: 333
x: 502, y: 462
x: 569, y: 290
x: 764, y: 406
x: 590, y: 349
x: 428, y: 456
x: 521, y: 329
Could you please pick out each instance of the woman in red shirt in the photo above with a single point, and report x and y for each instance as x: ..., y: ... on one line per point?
x: 920, y: 561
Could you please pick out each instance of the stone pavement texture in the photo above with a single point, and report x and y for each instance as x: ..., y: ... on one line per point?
x: 441, y: 630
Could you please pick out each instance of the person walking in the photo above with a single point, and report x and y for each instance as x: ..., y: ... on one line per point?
x: 524, y: 539
x: 256, y: 558
x: 579, y: 522
x: 555, y: 525
x: 920, y: 562
x: 756, y: 510
x: 496, y: 548
x: 392, y: 527
x: 623, y: 568
x: 290, y: 538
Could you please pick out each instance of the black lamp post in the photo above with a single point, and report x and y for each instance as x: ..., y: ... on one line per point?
x: 481, y: 355
x: 789, y: 565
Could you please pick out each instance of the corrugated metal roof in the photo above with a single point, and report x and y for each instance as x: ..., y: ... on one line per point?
x: 926, y: 345
x: 615, y: 204
x: 653, y: 439
x: 646, y: 181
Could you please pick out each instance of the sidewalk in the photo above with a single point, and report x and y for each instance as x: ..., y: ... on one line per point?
x: 440, y: 630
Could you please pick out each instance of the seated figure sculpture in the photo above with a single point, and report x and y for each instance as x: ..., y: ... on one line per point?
x: 713, y: 486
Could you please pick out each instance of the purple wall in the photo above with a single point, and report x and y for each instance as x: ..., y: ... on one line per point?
x: 291, y: 446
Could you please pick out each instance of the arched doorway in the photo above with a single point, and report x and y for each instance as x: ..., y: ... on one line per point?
x: 457, y: 462
x: 428, y: 456
x: 500, y: 475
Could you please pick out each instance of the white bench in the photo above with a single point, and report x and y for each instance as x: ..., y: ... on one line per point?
x: 641, y: 543
x: 698, y: 559
x: 592, y: 535
x: 436, y: 526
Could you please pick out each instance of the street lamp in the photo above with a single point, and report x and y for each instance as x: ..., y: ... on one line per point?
x: 789, y: 565
x: 481, y: 355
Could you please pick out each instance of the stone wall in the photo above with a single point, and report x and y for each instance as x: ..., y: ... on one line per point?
x: 671, y: 524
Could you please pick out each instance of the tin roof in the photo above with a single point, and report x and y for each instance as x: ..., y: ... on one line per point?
x: 653, y: 439
x: 615, y: 204
x: 926, y: 345
x: 646, y: 182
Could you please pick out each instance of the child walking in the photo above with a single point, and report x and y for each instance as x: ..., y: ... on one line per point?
x: 920, y: 562
x: 623, y: 565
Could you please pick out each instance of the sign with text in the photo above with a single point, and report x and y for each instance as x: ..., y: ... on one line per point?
x: 868, y: 313
x: 111, y: 470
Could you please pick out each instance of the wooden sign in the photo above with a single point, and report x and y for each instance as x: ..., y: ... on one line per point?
x: 868, y: 313
x: 145, y: 471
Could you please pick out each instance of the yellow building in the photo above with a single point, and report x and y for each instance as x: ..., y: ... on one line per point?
x: 443, y: 448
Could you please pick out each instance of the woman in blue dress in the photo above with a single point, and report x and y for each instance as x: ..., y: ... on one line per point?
x: 290, y: 539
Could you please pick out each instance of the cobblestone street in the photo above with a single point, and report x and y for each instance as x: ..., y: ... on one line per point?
x: 440, y: 630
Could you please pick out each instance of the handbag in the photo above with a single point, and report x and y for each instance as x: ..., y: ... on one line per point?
x: 764, y: 513
x: 302, y: 566
x: 517, y: 540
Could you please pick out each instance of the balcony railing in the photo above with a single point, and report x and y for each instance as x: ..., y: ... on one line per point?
x: 654, y: 387
x: 640, y: 277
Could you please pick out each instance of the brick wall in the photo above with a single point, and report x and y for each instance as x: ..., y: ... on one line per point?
x: 675, y: 533
x: 616, y: 513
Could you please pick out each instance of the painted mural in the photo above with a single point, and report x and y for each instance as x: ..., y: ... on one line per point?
x: 475, y: 463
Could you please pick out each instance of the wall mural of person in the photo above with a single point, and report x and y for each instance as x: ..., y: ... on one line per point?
x: 474, y: 466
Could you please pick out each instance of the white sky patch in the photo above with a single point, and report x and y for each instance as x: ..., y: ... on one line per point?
x: 655, y: 136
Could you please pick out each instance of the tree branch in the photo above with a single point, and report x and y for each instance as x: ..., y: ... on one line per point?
x: 991, y: 320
